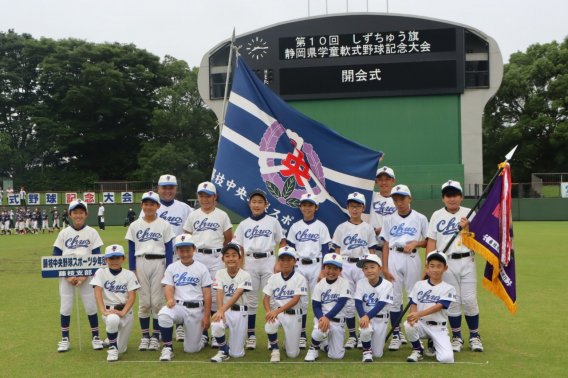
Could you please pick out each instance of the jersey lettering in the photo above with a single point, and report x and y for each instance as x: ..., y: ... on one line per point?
x: 281, y: 293
x: 400, y: 230
x: 146, y: 235
x: 427, y: 297
x: 304, y: 236
x: 203, y: 225
x: 110, y: 286
x: 184, y: 280
x: 76, y: 243
x: 229, y: 290
x: 370, y: 299
x: 175, y: 221
x: 327, y: 297
x: 381, y: 208
x: 255, y: 233
x: 354, y: 241
x: 447, y: 229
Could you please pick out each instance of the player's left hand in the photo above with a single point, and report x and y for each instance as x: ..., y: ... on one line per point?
x: 364, y: 322
x: 464, y: 223
x: 412, y: 318
x: 171, y: 303
x: 80, y: 280
x: 409, y: 247
x: 323, y: 324
x: 271, y: 316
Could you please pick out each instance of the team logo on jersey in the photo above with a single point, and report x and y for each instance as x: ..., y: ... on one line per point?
x: 229, y: 290
x: 257, y: 233
x: 204, y: 225
x: 184, y: 280
x: 146, y: 235
x: 282, y: 293
x: 400, y: 230
x: 354, y: 241
x: 113, y: 288
x: 371, y: 299
x: 174, y: 221
x: 304, y: 236
x: 447, y: 228
x: 74, y: 243
x: 427, y: 297
x: 328, y: 297
x: 381, y: 208
x: 289, y: 175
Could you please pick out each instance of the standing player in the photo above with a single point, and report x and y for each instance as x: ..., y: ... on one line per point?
x: 149, y: 254
x: 101, y: 216
x: 429, y: 302
x: 77, y: 241
x: 28, y: 219
x: 402, y: 233
x: 310, y: 237
x: 257, y: 236
x: 45, y: 222
x: 285, y: 288
x: 64, y: 220
x: 188, y: 299
x: 1, y: 195
x: 5, y: 220
x: 462, y: 273
x: 20, y: 218
x: 383, y: 205
x: 231, y: 285
x: 352, y: 240
x: 35, y: 221
x: 115, y: 292
x: 211, y: 229
x: 22, y: 197
x: 55, y: 220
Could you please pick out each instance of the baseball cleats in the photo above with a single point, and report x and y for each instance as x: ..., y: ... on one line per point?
x: 359, y: 344
x: 180, y: 333
x: 312, y: 355
x: 457, y: 344
x: 351, y: 343
x: 144, y: 344
x: 63, y: 345
x: 112, y: 354
x: 395, y: 343
x: 97, y: 343
x: 430, y: 351
x: 220, y: 357
x: 275, y: 356
x: 214, y: 343
x: 415, y: 356
x: 368, y: 356
x: 402, y: 338
x: 204, y: 340
x: 303, y: 343
x: 167, y: 354
x: 251, y: 343
x: 154, y: 344
x: 475, y: 344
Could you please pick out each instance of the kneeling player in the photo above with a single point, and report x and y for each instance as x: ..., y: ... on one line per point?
x: 188, y: 299
x: 115, y: 292
x: 286, y: 288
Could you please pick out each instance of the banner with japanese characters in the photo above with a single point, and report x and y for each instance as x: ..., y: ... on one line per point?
x: 108, y: 197
x: 71, y: 266
x: 127, y: 197
x: 70, y: 197
x: 13, y: 199
x: 51, y: 198
x: 89, y: 197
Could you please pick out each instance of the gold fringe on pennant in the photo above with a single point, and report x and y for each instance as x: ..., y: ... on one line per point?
x: 474, y: 245
x: 496, y: 287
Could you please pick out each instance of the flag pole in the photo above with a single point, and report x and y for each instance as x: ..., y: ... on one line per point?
x: 227, y: 82
x: 455, y: 235
x: 78, y: 320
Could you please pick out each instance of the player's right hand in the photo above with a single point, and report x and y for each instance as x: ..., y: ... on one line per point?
x: 388, y: 276
x: 364, y: 322
x: 171, y: 303
x: 323, y: 324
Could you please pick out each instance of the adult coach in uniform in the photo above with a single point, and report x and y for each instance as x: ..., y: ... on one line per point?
x: 101, y: 216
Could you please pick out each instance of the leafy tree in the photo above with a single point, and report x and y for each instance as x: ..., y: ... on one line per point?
x: 530, y: 109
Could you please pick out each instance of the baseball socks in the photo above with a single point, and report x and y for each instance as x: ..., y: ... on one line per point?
x: 145, y: 327
x: 455, y: 323
x: 156, y: 326
x: 65, y: 321
x: 94, y: 322
x: 473, y: 324
x: 273, y: 339
x: 351, y: 327
x: 304, y: 320
x: 251, y: 325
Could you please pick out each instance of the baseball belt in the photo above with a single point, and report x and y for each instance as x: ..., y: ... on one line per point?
x: 457, y: 256
x: 382, y: 316
x: 260, y: 255
x: 435, y: 323
x: 209, y: 251
x: 337, y: 320
x: 115, y: 307
x: 351, y: 259
x: 293, y: 312
x: 309, y: 261
x: 239, y: 308
x: 154, y: 257
x: 190, y: 304
x: 401, y: 249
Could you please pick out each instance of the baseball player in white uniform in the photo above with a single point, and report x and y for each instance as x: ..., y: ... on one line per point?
x: 352, y: 240
x: 231, y: 285
x: 257, y: 236
x: 310, y: 238
x: 402, y: 234
x: 44, y: 222
x: 328, y: 302
x: 115, y: 292
x: 429, y: 302
x: 188, y: 299
x: 382, y: 203
x: 462, y: 272
x: 150, y: 252
x: 211, y: 229
x: 372, y: 296
x: 286, y: 289
x: 77, y: 240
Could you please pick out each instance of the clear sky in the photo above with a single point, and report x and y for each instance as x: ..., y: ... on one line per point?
x: 187, y: 29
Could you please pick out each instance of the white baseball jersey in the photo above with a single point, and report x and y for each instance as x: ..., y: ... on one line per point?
x: 150, y: 238
x: 425, y: 295
x: 371, y: 295
x: 443, y: 225
x: 101, y: 211
x: 188, y: 281
x: 78, y: 242
x: 381, y: 208
x: 284, y: 289
x: 258, y: 235
x: 308, y: 237
x: 398, y: 231
x: 224, y: 281
x: 175, y: 213
x: 208, y: 229
x: 115, y: 288
x: 328, y: 294
x: 354, y: 240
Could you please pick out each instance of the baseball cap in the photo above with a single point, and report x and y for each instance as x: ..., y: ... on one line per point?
x: 167, y: 180
x: 184, y: 239
x: 290, y: 251
x: 77, y: 203
x: 207, y: 187
x: 152, y: 196
x: 309, y: 198
x: 231, y: 246
x: 257, y: 192
x: 401, y: 189
x: 452, y: 184
x: 437, y: 255
x: 386, y: 170
x: 370, y: 257
x: 114, y: 250
x: 357, y: 197
x: 334, y: 259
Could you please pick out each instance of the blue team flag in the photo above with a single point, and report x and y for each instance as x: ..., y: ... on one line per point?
x: 266, y: 144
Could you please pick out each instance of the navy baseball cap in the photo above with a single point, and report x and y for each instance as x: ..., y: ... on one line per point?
x: 231, y: 246
x: 258, y: 192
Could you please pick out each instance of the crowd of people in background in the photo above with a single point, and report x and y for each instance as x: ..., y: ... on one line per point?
x: 23, y: 220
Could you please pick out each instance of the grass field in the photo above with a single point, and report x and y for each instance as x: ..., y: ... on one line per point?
x: 530, y: 343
